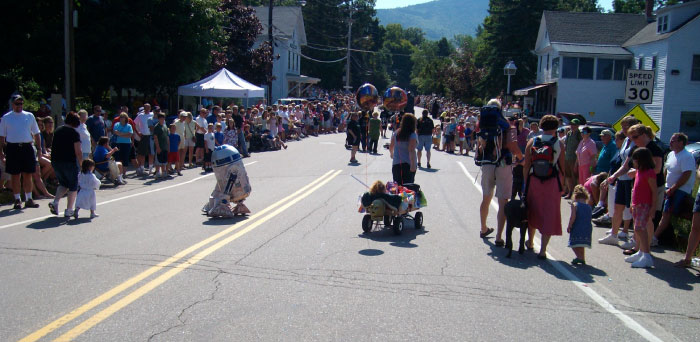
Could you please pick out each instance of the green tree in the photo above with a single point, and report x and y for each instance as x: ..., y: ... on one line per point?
x: 510, y: 32
x: 579, y: 6
x: 242, y: 28
x: 326, y: 24
x: 150, y: 45
x: 638, y: 6
x: 400, y: 48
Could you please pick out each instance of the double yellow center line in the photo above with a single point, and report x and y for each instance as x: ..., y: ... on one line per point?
x: 251, y: 223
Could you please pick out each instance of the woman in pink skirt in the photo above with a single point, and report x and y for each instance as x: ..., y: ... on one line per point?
x: 544, y: 192
x: 586, y: 155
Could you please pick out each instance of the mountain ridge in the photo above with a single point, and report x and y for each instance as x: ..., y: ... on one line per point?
x: 439, y: 18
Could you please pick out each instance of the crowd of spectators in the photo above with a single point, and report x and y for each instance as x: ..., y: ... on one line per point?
x: 143, y: 141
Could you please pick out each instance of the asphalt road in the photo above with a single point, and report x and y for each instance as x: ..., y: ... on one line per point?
x: 153, y: 268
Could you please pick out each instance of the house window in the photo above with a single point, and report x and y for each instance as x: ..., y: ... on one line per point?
x: 640, y: 63
x: 653, y: 63
x: 578, y: 67
x: 585, y: 68
x: 570, y: 68
x: 621, y: 66
x: 605, y: 69
x: 539, y: 64
x: 612, y: 69
x: 555, y: 67
x: 662, y: 24
x: 695, y: 73
x: 547, y: 61
x: 690, y: 124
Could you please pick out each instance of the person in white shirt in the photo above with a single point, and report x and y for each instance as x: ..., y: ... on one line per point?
x: 534, y: 130
x: 144, y: 132
x: 210, y: 142
x: 85, y: 139
x: 18, y: 130
x: 680, y: 165
x: 201, y: 124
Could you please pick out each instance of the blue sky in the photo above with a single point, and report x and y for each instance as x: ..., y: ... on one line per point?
x: 607, y: 4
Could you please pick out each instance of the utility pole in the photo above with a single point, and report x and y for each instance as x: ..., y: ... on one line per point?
x: 69, y: 47
x: 272, y: 54
x: 347, y: 58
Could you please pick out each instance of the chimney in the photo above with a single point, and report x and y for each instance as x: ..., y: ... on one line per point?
x: 648, y: 10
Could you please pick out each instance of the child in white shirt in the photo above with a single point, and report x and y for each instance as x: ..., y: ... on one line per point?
x: 210, y: 144
x: 88, y: 183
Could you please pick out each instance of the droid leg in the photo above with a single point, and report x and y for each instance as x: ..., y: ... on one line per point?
x: 241, y: 209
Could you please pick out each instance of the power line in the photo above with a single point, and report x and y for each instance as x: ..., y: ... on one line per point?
x: 320, y: 61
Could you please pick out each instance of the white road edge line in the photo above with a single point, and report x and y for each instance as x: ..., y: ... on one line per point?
x: 627, y: 320
x: 117, y: 199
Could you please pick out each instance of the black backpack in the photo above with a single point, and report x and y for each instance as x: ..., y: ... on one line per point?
x: 492, y: 125
x: 543, y: 163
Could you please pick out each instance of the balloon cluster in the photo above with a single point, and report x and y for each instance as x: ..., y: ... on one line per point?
x: 395, y: 99
x: 367, y: 96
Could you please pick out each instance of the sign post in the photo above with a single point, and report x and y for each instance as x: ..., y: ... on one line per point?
x: 640, y: 86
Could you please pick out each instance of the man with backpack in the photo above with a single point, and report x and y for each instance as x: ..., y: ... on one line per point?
x: 497, y: 145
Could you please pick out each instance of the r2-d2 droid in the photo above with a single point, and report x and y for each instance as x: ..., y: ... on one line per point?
x: 232, y: 185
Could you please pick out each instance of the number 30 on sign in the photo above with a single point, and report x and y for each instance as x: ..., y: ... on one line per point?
x: 640, y: 86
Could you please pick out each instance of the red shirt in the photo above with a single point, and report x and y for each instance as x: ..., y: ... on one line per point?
x: 460, y: 130
x: 641, y: 192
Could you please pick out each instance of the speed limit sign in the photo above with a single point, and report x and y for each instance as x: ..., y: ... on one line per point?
x: 640, y: 86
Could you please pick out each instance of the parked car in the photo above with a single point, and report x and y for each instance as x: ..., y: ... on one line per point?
x: 694, y: 149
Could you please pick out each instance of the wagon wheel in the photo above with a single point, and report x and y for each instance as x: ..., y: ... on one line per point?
x: 367, y: 223
x: 418, y: 220
x: 398, y: 225
x: 387, y: 220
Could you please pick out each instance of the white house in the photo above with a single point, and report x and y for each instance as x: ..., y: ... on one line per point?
x: 583, y: 58
x: 289, y: 36
x: 671, y: 46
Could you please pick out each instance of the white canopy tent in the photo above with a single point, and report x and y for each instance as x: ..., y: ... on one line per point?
x: 223, y: 83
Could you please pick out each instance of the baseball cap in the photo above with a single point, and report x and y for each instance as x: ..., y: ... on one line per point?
x: 575, y: 122
x: 16, y: 97
x: 586, y: 130
x: 607, y: 132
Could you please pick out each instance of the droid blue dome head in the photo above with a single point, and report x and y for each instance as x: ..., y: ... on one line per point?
x: 224, y: 155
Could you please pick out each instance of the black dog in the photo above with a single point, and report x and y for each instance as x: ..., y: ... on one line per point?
x: 516, y: 216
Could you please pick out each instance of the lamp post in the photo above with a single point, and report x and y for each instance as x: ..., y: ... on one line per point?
x: 509, y: 70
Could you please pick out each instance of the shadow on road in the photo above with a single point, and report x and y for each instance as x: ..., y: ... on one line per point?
x: 529, y: 259
x: 50, y: 222
x: 677, y: 278
x: 9, y: 212
x: 371, y: 252
x: 387, y: 235
x: 429, y: 170
x: 224, y: 221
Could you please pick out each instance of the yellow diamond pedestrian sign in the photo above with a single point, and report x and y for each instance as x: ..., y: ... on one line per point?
x: 639, y: 113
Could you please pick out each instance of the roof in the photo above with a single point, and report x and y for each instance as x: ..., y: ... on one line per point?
x: 592, y: 27
x: 648, y: 34
x: 284, y: 20
x: 590, y: 49
x: 223, y: 83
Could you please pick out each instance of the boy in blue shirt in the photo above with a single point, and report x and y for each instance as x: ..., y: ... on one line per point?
x: 219, y: 135
x: 174, y: 154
